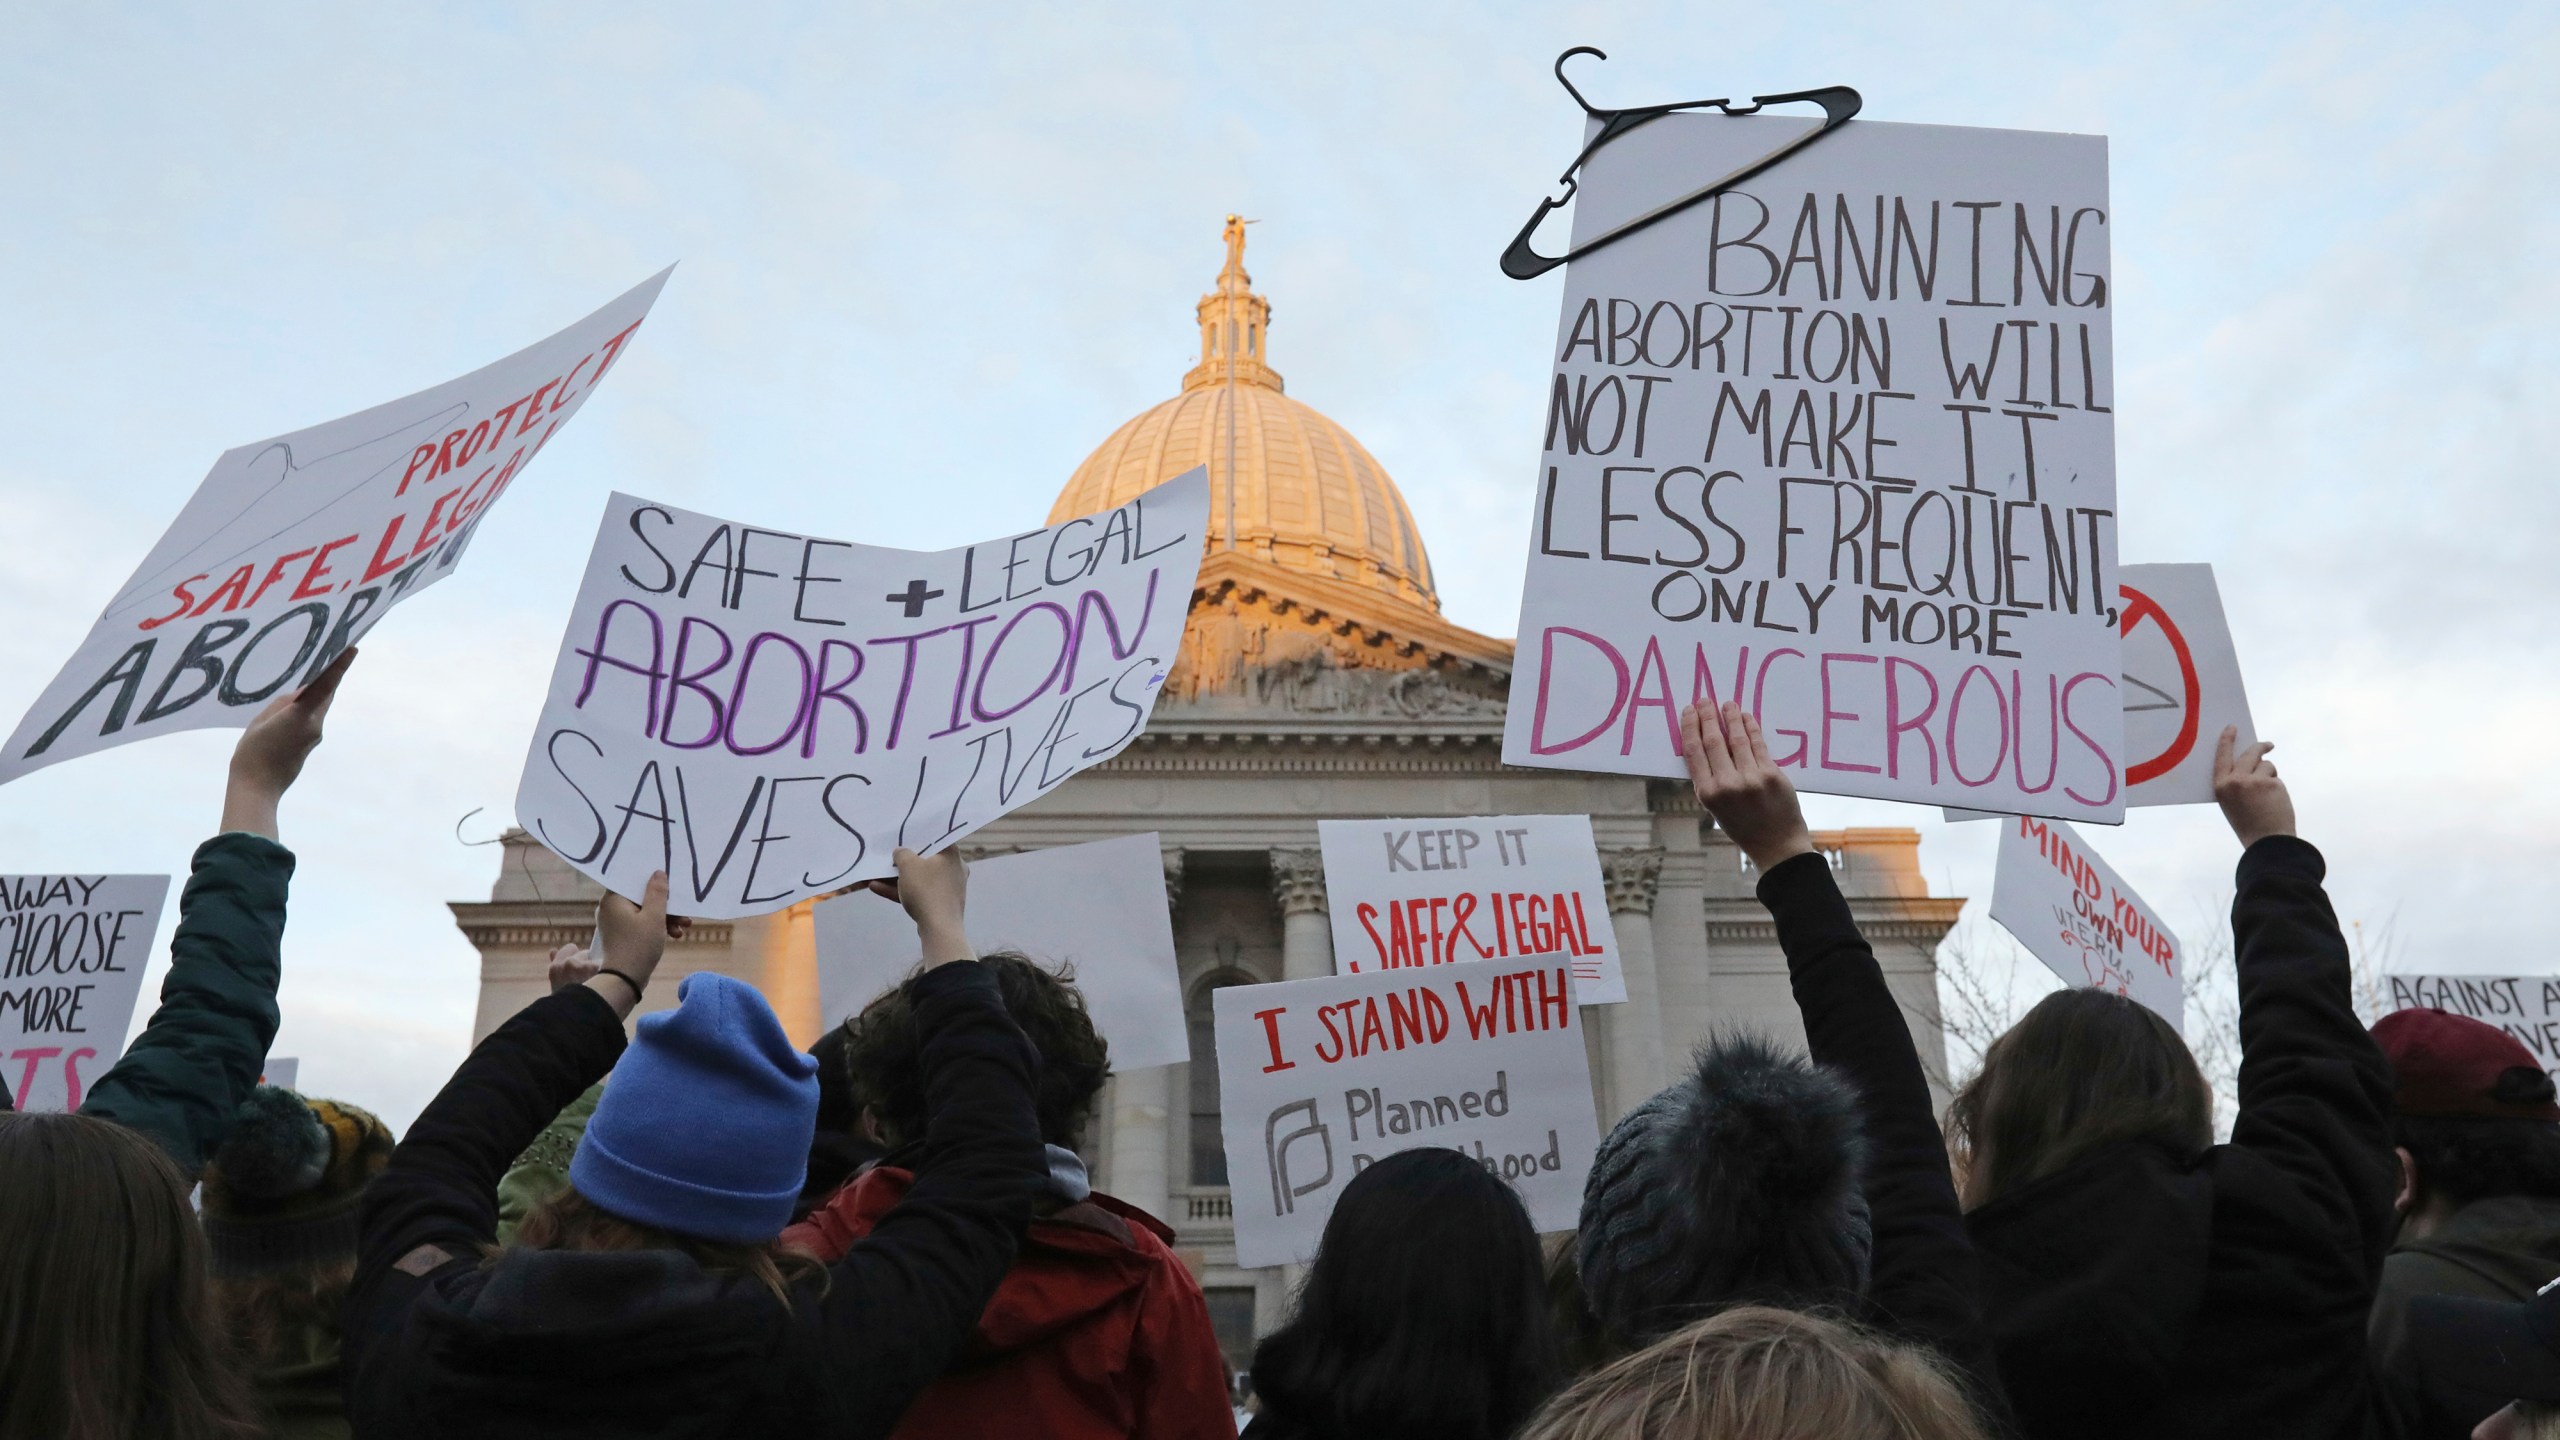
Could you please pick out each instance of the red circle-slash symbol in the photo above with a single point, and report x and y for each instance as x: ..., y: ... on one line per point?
x: 2139, y: 607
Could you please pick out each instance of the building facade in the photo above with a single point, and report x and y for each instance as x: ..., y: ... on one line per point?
x: 1317, y: 679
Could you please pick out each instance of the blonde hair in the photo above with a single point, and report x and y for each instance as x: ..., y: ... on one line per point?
x: 1755, y: 1373
x: 2537, y: 1420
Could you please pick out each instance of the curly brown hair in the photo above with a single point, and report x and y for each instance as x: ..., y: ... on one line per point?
x: 884, y: 1053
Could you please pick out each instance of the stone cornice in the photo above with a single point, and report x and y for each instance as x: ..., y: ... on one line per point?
x: 1352, y: 610
x: 515, y: 924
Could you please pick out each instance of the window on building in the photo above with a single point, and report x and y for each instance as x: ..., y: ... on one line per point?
x: 1208, y: 1136
x: 1231, y: 1319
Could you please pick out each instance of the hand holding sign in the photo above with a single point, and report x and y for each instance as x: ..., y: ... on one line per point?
x: 1752, y: 799
x: 934, y: 891
x: 2252, y: 798
x: 630, y: 941
x: 272, y: 750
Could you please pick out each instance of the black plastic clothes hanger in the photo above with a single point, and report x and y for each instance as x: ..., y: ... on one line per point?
x: 1521, y: 260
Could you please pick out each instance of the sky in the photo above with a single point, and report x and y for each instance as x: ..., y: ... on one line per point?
x: 929, y: 256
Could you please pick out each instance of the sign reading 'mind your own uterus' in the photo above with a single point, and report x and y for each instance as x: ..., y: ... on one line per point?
x: 1318, y: 1079
x: 1837, y: 445
x: 72, y: 952
x: 1427, y: 892
x: 292, y: 548
x: 767, y: 716
x: 2073, y: 912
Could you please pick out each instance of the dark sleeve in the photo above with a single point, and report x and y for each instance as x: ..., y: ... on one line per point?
x: 441, y: 1185
x: 2315, y: 1092
x: 183, y: 1078
x: 903, y: 1299
x: 1925, y: 1283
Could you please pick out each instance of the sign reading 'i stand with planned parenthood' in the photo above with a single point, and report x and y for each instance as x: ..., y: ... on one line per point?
x: 768, y: 716
x: 1837, y: 445
x: 1318, y: 1079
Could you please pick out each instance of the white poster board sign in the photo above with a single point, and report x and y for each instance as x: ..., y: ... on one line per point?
x: 1837, y: 445
x: 766, y: 716
x: 1098, y: 907
x: 72, y: 951
x: 2525, y: 1006
x: 292, y: 548
x: 2074, y: 913
x: 1318, y: 1079
x: 282, y: 1072
x: 1487, y: 887
x: 2181, y: 685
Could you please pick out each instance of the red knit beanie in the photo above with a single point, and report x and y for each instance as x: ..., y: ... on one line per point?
x: 2453, y: 1065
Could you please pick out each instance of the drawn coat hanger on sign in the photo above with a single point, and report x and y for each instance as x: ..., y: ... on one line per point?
x: 1521, y: 260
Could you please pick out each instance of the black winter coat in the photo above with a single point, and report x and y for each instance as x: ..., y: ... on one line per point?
x: 2137, y: 1293
x: 560, y: 1344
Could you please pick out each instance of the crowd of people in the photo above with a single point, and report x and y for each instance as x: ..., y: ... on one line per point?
x: 893, y: 1234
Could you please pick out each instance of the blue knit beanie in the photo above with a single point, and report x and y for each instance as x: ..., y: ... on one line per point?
x: 705, y: 1127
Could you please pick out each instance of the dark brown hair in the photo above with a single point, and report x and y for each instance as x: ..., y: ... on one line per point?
x: 2083, y: 1071
x: 1754, y: 1373
x: 262, y: 1317
x: 105, y: 1329
x: 884, y: 1051
x: 570, y: 1221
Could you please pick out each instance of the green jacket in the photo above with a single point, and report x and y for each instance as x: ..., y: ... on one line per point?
x: 2502, y: 1248
x: 542, y: 1171
x: 182, y: 1080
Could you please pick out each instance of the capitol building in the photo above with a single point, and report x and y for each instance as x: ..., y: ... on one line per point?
x: 1317, y: 679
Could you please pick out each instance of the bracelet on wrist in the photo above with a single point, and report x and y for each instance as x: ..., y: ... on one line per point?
x: 637, y: 989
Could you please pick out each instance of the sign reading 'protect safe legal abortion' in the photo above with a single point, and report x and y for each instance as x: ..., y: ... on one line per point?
x: 1837, y: 445
x: 1427, y: 892
x: 1319, y: 1079
x: 292, y: 548
x: 767, y: 716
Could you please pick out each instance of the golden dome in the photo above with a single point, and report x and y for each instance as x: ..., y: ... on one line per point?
x: 1287, y: 486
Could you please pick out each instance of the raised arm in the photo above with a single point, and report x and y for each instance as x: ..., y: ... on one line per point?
x: 1924, y: 1282
x: 437, y: 1202
x: 905, y: 1297
x: 2315, y: 1092
x: 182, y: 1079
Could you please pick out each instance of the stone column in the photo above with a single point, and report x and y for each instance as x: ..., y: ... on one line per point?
x: 1635, y: 1051
x: 1306, y: 933
x: 1141, y: 1110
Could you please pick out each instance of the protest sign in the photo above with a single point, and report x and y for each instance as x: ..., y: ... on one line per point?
x: 1098, y: 907
x: 1836, y: 445
x: 2525, y: 1006
x: 281, y: 1072
x: 72, y: 951
x: 2181, y: 686
x: 1427, y: 892
x: 766, y: 716
x: 292, y: 548
x: 2062, y: 902
x: 1318, y: 1079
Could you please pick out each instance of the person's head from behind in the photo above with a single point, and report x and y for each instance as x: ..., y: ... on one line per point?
x: 2085, y: 1070
x: 1756, y: 1373
x: 279, y: 1210
x: 1424, y: 1313
x: 2473, y: 1116
x: 700, y: 1142
x: 105, y: 1329
x: 884, y: 1052
x: 1741, y: 1184
x: 2495, y: 1348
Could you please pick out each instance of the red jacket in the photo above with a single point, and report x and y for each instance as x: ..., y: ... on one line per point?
x: 1097, y: 1330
